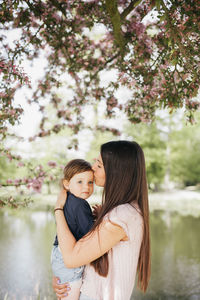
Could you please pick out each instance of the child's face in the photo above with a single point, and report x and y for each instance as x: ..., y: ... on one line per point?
x: 81, y: 184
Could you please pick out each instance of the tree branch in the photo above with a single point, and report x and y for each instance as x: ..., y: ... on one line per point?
x: 104, y: 65
x: 59, y: 6
x: 131, y: 6
x: 161, y: 55
x: 20, y: 49
x: 112, y: 9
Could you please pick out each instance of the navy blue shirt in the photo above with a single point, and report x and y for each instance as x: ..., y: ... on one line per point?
x: 78, y: 215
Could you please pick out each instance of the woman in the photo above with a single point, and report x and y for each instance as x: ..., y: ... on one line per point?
x: 118, y: 246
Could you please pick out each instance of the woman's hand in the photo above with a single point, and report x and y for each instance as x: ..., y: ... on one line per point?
x: 61, y: 290
x: 61, y: 198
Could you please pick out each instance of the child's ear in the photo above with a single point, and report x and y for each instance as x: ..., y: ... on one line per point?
x: 65, y: 184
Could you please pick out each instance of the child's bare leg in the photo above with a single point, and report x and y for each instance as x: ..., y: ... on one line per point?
x: 74, y: 292
x: 65, y: 298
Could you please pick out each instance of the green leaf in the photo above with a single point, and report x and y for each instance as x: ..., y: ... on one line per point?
x: 162, y: 18
x: 158, y: 4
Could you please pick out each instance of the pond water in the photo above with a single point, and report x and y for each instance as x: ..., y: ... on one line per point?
x: 26, y: 239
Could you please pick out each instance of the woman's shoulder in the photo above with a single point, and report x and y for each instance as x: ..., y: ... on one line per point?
x: 127, y: 213
x: 128, y: 217
x: 132, y: 209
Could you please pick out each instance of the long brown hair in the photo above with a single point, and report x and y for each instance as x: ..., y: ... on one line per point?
x: 125, y: 182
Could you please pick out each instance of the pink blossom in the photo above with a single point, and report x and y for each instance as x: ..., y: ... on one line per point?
x: 37, y: 184
x: 9, y: 181
x: 12, y: 112
x: 25, y: 180
x: 39, y: 168
x: 17, y: 181
x: 52, y: 164
x: 9, y: 156
x: 41, y: 174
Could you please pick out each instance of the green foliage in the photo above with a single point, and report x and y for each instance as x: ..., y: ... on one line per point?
x: 154, y: 147
x: 99, y: 139
x: 6, y: 168
x: 185, y: 154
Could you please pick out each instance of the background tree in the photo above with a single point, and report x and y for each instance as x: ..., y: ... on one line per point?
x: 185, y: 154
x: 153, y: 45
x: 152, y: 140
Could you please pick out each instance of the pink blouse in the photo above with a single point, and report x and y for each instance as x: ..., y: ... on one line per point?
x: 123, y: 259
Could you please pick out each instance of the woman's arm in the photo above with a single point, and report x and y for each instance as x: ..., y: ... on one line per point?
x: 82, y: 252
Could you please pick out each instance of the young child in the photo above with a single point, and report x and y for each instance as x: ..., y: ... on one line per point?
x: 78, y: 181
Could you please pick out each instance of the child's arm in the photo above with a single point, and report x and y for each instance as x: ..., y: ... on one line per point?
x: 95, y: 210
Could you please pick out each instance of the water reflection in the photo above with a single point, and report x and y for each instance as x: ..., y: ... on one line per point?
x: 175, y: 257
x: 26, y: 241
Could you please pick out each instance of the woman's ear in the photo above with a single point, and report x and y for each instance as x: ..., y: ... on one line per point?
x: 65, y: 184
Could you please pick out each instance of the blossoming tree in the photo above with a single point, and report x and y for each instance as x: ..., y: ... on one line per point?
x: 152, y: 45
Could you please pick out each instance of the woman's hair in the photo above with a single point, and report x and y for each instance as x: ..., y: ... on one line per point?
x: 76, y: 166
x: 125, y: 182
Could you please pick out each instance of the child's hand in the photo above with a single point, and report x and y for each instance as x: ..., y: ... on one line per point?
x: 62, y: 196
x: 95, y: 210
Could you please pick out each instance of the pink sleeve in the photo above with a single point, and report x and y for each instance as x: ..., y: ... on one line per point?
x: 118, y: 216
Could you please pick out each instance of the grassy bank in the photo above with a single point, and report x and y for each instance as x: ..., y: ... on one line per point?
x: 185, y: 202
x: 182, y: 201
